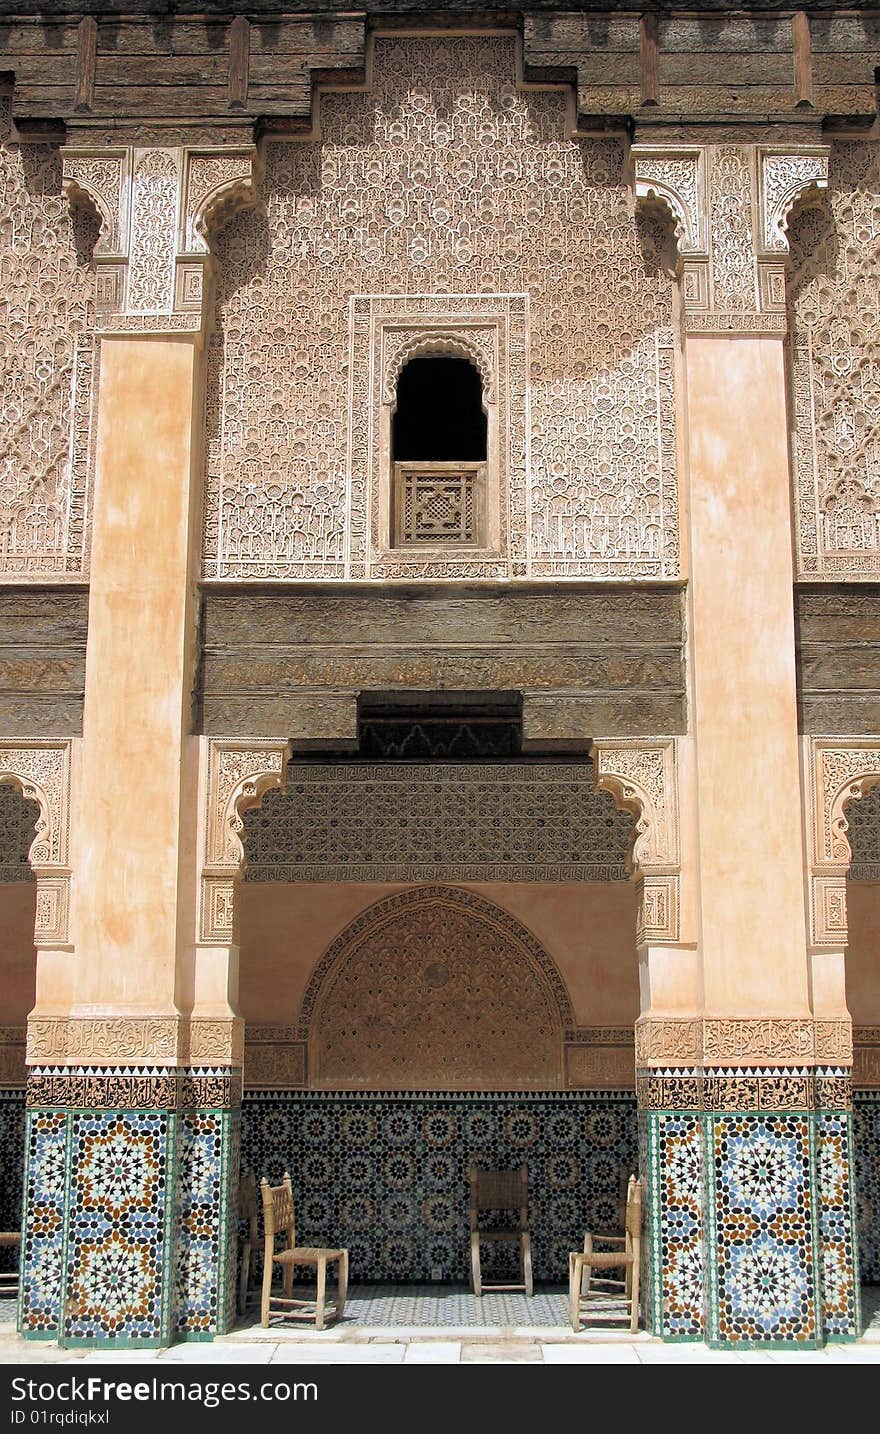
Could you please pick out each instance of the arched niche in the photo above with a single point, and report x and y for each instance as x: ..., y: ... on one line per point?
x: 436, y: 988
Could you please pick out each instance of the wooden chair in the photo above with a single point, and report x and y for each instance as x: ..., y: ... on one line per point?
x: 9, y: 1278
x: 278, y: 1221
x: 248, y: 1213
x: 606, y: 1292
x: 497, y: 1191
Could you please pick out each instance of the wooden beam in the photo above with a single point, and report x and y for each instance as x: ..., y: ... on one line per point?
x: 803, y: 57
x: 649, y: 48
x: 239, y: 61
x: 86, y: 58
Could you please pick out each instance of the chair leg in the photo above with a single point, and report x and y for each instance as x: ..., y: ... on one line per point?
x: 634, y: 1296
x: 575, y: 1275
x: 342, y: 1285
x: 322, y: 1290
x: 267, y: 1289
x: 476, y: 1278
x: 244, y: 1278
x: 586, y: 1267
x: 527, y: 1263
x: 287, y: 1285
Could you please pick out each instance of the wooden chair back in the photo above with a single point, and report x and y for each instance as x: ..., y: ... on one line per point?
x: 634, y: 1208
x: 278, y: 1211
x: 499, y: 1190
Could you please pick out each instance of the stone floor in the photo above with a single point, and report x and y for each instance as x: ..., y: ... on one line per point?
x: 439, y: 1325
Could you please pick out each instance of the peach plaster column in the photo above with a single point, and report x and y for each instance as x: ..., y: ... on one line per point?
x: 743, y: 1137
x: 132, y: 1099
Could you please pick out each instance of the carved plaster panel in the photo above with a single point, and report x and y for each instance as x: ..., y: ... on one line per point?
x: 13, y: 1071
x: 863, y: 835
x: 47, y: 366
x: 866, y: 1057
x: 455, y: 185
x: 599, y: 1068
x: 435, y: 988
x: 18, y: 819
x: 275, y: 1058
x: 41, y: 772
x: 399, y: 822
x: 834, y: 307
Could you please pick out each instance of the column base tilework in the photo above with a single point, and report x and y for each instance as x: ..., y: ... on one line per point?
x: 128, y: 1212
x: 866, y: 1145
x: 11, y: 1169
x: 751, y: 1215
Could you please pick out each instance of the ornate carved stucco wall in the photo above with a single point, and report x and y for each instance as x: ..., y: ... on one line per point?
x: 835, y: 346
x: 450, y: 195
x: 47, y: 365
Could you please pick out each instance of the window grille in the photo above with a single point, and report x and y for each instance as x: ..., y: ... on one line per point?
x: 439, y: 503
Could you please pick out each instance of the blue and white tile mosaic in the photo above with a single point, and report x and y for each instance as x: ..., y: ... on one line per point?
x: 677, y: 1179
x: 387, y: 1175
x: 763, y: 1279
x: 118, y: 1228
x: 12, y: 1123
x: 45, y: 1200
x: 839, y: 1255
x: 866, y: 1165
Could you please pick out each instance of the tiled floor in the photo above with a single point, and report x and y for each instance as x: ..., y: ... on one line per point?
x: 441, y: 1325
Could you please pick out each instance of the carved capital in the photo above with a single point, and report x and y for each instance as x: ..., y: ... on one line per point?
x: 239, y: 774
x: 102, y: 1040
x: 668, y: 1041
x: 99, y: 179
x: 216, y: 1041
x: 218, y: 184
x: 729, y: 205
x: 840, y: 770
x: 152, y: 267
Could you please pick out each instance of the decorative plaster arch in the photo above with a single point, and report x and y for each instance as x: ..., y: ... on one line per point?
x: 841, y: 770
x: 524, y: 1045
x: 41, y: 772
x: 238, y: 776
x: 642, y: 778
x: 439, y: 343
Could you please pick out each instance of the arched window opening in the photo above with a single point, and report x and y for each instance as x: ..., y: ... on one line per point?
x: 439, y: 416
x: 438, y: 449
